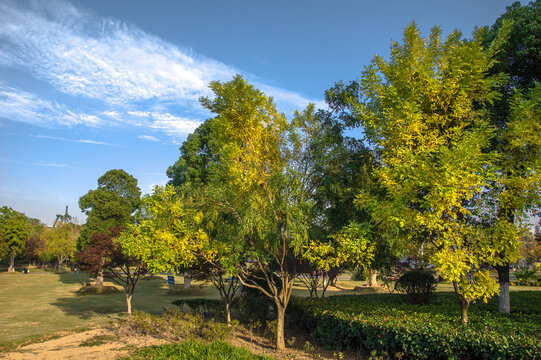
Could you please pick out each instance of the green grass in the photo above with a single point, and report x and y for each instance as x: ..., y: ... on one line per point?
x: 189, y: 350
x: 42, y: 303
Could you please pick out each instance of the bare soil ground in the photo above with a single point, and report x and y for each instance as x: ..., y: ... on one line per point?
x: 69, y: 346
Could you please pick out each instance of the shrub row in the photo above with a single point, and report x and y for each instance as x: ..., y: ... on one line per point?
x: 386, y: 324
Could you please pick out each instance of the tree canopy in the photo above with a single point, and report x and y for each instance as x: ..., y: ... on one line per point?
x: 112, y: 204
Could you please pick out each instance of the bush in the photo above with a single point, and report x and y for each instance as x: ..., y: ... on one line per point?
x: 192, y: 350
x: 418, y: 285
x: 207, y: 307
x: 175, y: 325
x: 385, y: 324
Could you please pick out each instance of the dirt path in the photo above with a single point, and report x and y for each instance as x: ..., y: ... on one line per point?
x: 68, y: 347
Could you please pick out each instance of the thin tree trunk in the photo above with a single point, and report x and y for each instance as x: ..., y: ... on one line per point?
x: 59, y: 263
x: 280, y: 321
x: 228, y: 313
x: 11, y: 264
x: 187, y: 279
x: 373, y: 278
x: 504, y: 302
x: 99, y: 278
x: 128, y: 300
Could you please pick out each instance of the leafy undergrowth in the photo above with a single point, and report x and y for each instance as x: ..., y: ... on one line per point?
x: 194, y: 350
x: 386, y: 324
x: 173, y: 325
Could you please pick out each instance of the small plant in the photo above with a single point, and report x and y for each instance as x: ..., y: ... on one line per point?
x: 418, y: 285
x: 271, y: 330
x: 307, y: 347
x: 291, y: 341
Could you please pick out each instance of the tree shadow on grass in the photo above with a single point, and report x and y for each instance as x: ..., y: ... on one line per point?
x: 91, y: 306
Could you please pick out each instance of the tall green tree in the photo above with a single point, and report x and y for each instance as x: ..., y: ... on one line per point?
x: 112, y: 204
x: 425, y: 112
x: 15, y: 230
x: 517, y: 123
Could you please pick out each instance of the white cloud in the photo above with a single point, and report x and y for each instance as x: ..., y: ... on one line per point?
x: 46, y: 164
x: 148, y: 138
x: 137, y: 79
x: 80, y: 141
x: 26, y: 107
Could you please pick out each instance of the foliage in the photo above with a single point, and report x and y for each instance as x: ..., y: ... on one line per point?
x: 418, y: 285
x: 15, y: 230
x: 112, y: 204
x: 166, y: 237
x: 193, y: 350
x: 425, y: 112
x: 60, y: 241
x: 386, y: 324
x: 207, y: 307
x: 176, y: 325
x: 106, y: 257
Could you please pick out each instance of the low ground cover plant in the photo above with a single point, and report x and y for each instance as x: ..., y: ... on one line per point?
x: 385, y: 323
x: 189, y: 350
x: 175, y: 326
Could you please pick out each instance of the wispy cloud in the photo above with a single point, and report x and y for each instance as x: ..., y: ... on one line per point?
x: 148, y: 138
x: 23, y: 106
x: 45, y: 164
x: 129, y: 72
x: 79, y: 141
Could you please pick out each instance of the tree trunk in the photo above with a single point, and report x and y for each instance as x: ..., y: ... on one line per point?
x: 280, y: 321
x: 11, y: 264
x: 373, y: 278
x: 59, y: 264
x: 128, y: 301
x: 228, y: 313
x: 99, y: 280
x: 464, y: 305
x: 504, y: 303
x: 187, y: 280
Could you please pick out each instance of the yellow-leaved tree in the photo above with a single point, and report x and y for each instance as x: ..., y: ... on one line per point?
x: 424, y: 111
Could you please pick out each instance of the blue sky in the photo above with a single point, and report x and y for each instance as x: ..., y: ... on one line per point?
x: 88, y: 86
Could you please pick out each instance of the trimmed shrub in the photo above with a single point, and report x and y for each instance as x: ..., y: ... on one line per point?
x: 417, y: 285
x: 207, y: 307
x: 386, y: 325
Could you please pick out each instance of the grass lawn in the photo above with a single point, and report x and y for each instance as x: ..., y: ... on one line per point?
x: 42, y: 303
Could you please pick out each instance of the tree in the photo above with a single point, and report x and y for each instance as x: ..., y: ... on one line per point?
x: 60, y: 241
x: 111, y: 205
x: 515, y: 191
x: 34, y: 244
x: 424, y: 111
x: 15, y: 230
x: 105, y: 256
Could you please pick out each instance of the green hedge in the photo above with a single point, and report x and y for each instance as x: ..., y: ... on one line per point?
x: 386, y: 324
x: 190, y: 350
